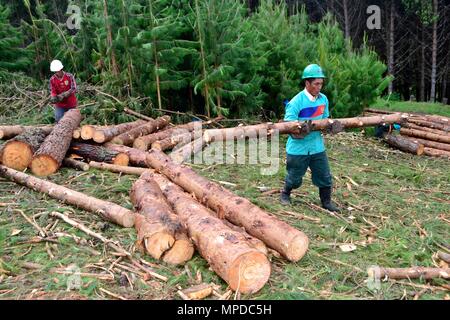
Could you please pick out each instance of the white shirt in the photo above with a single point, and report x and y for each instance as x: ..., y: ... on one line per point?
x: 310, y: 96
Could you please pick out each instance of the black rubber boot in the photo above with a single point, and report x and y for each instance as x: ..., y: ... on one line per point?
x: 285, y: 196
x: 325, y: 197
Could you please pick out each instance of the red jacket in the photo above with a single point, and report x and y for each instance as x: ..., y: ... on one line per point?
x: 58, y: 86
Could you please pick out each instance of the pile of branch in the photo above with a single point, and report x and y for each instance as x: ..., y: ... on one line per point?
x: 420, y: 134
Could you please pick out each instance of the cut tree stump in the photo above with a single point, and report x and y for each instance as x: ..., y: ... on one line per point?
x: 159, y: 228
x: 105, y: 135
x: 228, y: 252
x: 18, y: 152
x: 276, y: 234
x: 8, y: 132
x: 404, y: 144
x: 109, y: 211
x: 98, y: 153
x: 117, y: 169
x: 409, y: 273
x: 425, y: 135
x: 48, y: 158
x: 127, y: 138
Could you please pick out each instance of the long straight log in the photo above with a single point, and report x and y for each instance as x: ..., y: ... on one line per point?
x: 105, y: 135
x: 410, y: 273
x: 160, y: 228
x: 8, y: 132
x: 137, y: 157
x: 172, y: 142
x: 228, y: 252
x: 18, y: 151
x: 116, y: 168
x: 127, y: 138
x: 404, y: 144
x: 109, y: 211
x: 425, y: 135
x: 185, y: 152
x: 48, y: 158
x: 430, y: 144
x: 436, y: 152
x: 430, y: 124
x: 276, y: 234
x: 88, y: 131
x: 427, y: 129
x: 99, y: 153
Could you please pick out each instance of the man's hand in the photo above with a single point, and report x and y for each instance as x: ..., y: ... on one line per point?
x: 55, y: 99
x: 304, y: 129
x: 65, y: 94
x: 335, y: 127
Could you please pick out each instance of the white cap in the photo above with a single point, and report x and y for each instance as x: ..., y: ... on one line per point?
x: 56, y: 66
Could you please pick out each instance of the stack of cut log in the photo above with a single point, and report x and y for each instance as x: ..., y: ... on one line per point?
x: 420, y: 134
x: 176, y: 210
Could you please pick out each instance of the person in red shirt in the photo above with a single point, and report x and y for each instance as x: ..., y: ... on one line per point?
x: 62, y: 90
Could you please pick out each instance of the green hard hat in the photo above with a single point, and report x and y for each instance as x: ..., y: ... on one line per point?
x: 313, y: 71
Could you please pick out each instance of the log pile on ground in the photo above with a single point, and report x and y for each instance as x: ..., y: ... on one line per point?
x: 177, y: 210
x: 419, y: 134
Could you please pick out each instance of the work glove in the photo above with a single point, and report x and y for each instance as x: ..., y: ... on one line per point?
x: 335, y: 127
x: 65, y: 94
x: 55, y: 99
x: 304, y: 129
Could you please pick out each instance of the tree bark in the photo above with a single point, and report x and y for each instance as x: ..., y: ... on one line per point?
x: 434, y: 52
x: 436, y: 152
x: 184, y: 153
x: 276, y: 234
x: 8, y: 132
x: 18, y: 152
x: 425, y: 135
x: 116, y: 168
x: 109, y: 211
x: 176, y: 141
x: 105, y: 135
x: 391, y: 45
x: 137, y: 157
x: 404, y: 144
x: 99, y: 154
x: 431, y: 144
x: 159, y: 228
x: 127, y: 138
x: 410, y: 273
x: 228, y: 252
x: 430, y: 124
x: 49, y: 156
x: 426, y: 129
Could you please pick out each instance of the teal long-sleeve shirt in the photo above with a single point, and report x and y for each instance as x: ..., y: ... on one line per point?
x: 302, y: 108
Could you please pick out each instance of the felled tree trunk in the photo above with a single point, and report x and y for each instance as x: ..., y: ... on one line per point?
x: 49, y: 156
x: 185, y: 152
x: 159, y: 229
x: 105, y: 135
x: 88, y: 131
x: 137, y: 157
x: 425, y: 135
x: 116, y: 168
x: 430, y: 124
x: 172, y: 142
x: 404, y: 144
x: 8, y: 132
x: 228, y: 252
x: 127, y: 138
x: 410, y: 273
x: 426, y: 129
x: 276, y: 234
x: 18, y: 152
x: 431, y: 144
x: 75, y: 164
x: 99, y: 154
x: 436, y: 152
x: 109, y: 211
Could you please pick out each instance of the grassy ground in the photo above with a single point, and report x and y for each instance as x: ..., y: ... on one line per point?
x: 397, y: 215
x: 411, y: 106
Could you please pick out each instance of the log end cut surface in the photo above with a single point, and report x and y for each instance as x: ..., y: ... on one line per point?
x: 121, y: 159
x: 17, y: 155
x: 181, y: 252
x: 249, y: 273
x: 297, y: 247
x: 99, y: 137
x: 44, y: 165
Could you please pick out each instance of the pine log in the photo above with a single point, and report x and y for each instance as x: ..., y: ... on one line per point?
x: 18, y: 152
x: 75, y: 164
x: 410, y: 273
x: 430, y: 124
x: 191, y: 149
x: 116, y: 168
x: 127, y: 138
x: 100, y: 154
x: 228, y: 252
x: 88, y: 131
x: 137, y: 114
x: 404, y: 144
x: 436, y: 152
x: 109, y: 211
x: 137, y: 157
x: 8, y: 132
x: 159, y: 229
x: 379, y: 111
x: 425, y: 135
x: 276, y: 234
x: 427, y: 129
x: 430, y: 144
x: 176, y: 141
x: 105, y: 135
x: 48, y: 158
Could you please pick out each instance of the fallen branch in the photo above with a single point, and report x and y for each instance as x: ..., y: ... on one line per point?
x: 116, y: 168
x: 409, y: 273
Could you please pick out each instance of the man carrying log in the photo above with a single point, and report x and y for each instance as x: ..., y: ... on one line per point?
x: 306, y: 148
x: 62, y: 90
